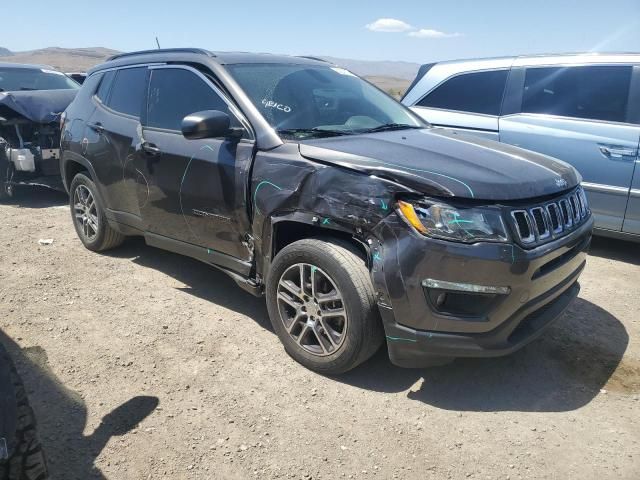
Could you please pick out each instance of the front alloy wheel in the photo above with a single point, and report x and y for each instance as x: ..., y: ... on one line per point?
x: 322, y: 304
x: 312, y: 309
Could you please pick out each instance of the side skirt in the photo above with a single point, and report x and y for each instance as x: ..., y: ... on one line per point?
x: 237, y: 269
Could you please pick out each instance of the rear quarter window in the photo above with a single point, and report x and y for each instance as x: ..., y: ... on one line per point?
x: 128, y: 91
x: 477, y: 92
x: 105, y: 86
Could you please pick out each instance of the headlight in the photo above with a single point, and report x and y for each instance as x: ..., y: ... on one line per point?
x: 468, y: 225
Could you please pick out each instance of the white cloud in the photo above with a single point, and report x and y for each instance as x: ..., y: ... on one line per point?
x: 389, y: 25
x: 428, y: 33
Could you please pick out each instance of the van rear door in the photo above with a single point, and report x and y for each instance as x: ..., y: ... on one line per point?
x: 632, y: 216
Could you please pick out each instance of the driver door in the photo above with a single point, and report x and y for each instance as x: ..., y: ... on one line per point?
x: 192, y: 191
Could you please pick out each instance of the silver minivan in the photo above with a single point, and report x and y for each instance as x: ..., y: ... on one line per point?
x: 583, y: 109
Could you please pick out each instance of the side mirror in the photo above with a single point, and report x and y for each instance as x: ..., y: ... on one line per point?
x: 209, y: 124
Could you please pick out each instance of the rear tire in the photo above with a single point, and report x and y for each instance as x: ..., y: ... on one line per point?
x: 27, y: 461
x: 89, y: 220
x: 6, y: 189
x: 306, y: 322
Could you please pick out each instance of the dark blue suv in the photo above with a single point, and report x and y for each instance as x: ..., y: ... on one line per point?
x: 303, y: 182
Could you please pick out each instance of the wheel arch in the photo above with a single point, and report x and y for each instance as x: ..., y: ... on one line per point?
x: 72, y: 164
x: 283, y: 230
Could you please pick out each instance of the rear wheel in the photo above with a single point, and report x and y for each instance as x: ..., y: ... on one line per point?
x: 6, y: 189
x: 322, y: 305
x: 89, y: 218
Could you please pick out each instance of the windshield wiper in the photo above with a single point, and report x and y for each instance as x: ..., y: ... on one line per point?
x: 387, y: 127
x: 312, y: 131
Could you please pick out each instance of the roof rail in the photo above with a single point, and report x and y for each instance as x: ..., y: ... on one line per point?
x: 308, y: 57
x: 200, y: 51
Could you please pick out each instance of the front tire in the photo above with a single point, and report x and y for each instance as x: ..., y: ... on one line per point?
x: 322, y: 305
x: 27, y: 461
x: 89, y: 220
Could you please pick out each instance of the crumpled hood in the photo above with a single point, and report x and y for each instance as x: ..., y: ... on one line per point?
x: 39, y: 106
x: 444, y: 163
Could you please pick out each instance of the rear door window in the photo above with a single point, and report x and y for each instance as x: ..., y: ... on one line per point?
x: 477, y: 92
x: 175, y: 93
x: 591, y: 92
x: 128, y: 91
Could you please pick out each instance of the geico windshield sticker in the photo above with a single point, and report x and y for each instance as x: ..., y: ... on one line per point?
x: 276, y: 105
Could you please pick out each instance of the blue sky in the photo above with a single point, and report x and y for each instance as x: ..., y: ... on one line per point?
x: 422, y: 30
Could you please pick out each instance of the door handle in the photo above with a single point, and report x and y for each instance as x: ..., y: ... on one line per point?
x: 150, y: 148
x: 97, y: 127
x: 617, y: 152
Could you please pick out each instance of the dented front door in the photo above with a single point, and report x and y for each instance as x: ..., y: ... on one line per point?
x: 191, y: 190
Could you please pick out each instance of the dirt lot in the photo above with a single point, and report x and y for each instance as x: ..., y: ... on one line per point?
x: 143, y: 364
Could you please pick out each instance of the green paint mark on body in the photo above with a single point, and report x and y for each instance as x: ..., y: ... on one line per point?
x: 258, y: 187
x: 384, y: 205
x: 326, y: 221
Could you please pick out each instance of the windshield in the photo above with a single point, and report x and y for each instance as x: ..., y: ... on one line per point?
x: 302, y: 101
x: 16, y: 79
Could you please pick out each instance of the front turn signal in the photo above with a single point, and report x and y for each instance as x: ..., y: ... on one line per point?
x: 409, y: 214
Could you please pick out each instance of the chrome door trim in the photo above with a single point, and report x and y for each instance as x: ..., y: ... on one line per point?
x: 635, y: 192
x: 548, y: 116
x: 600, y: 188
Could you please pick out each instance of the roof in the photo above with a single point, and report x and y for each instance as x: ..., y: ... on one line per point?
x: 196, y: 54
x: 229, y: 58
x: 25, y: 65
x: 555, y: 57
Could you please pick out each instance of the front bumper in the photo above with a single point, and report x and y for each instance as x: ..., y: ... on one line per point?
x: 542, y: 282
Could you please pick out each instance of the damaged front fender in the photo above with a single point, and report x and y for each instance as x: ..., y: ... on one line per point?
x: 287, y: 187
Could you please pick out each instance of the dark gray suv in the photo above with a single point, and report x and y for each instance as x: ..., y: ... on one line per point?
x: 303, y: 182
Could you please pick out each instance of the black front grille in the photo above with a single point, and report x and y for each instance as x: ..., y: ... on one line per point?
x: 540, y: 222
x: 550, y: 220
x: 523, y: 225
x: 554, y: 216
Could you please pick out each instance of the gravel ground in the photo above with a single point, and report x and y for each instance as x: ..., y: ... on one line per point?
x: 144, y: 364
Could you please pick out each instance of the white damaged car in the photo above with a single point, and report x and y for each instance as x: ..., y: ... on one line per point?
x: 32, y: 99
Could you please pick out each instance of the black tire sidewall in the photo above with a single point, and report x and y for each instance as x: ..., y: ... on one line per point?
x: 359, y: 314
x: 5, y: 191
x: 96, y: 243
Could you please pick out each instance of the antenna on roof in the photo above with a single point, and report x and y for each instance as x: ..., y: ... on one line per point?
x: 158, y: 43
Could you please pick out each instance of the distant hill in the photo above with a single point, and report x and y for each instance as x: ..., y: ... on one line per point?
x: 367, y: 68
x: 391, y: 76
x: 65, y: 59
